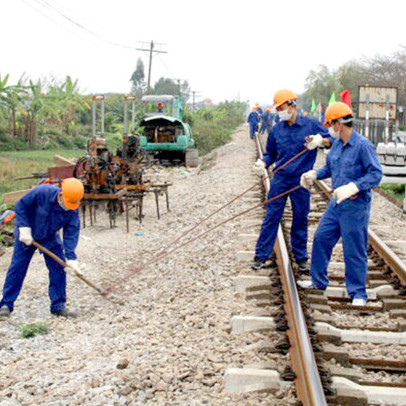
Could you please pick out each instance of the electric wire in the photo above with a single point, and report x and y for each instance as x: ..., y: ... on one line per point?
x: 46, y: 5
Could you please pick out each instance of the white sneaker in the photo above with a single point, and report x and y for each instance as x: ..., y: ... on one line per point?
x: 358, y: 302
x: 307, y: 284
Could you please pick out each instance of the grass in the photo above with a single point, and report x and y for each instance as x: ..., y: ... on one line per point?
x: 395, y: 190
x: 14, y: 164
x: 33, y: 329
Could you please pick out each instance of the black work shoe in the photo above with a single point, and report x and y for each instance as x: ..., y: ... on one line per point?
x: 65, y: 313
x: 303, y: 265
x: 257, y: 265
x: 4, y: 311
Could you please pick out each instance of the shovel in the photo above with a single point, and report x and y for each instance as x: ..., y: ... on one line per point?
x: 65, y: 265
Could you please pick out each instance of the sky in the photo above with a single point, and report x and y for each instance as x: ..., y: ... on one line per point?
x: 226, y: 50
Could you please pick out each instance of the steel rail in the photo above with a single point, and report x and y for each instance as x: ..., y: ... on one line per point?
x: 308, y: 382
x: 385, y: 252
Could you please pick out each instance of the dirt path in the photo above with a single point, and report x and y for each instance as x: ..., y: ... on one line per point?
x: 171, y: 321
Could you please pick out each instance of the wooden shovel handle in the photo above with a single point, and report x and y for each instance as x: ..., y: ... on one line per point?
x: 65, y: 265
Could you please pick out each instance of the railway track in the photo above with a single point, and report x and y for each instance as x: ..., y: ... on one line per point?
x: 333, y: 352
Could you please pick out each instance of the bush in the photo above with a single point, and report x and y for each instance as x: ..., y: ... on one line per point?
x: 80, y: 141
x: 214, y: 125
x: 8, y: 143
x: 395, y: 190
x: 114, y: 140
x: 65, y: 141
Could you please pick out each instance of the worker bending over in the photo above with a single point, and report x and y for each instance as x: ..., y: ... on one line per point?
x: 286, y: 139
x: 354, y: 169
x: 39, y: 215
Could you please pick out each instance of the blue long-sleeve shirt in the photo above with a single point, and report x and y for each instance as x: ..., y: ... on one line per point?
x: 253, y: 118
x: 39, y: 210
x: 285, y: 141
x: 354, y: 162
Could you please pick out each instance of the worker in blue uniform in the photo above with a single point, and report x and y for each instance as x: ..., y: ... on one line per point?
x: 287, y: 138
x: 40, y: 214
x: 253, y: 120
x: 266, y: 121
x: 259, y: 109
x: 354, y: 169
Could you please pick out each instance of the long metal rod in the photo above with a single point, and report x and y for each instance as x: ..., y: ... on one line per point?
x: 165, y: 252
x: 308, y: 383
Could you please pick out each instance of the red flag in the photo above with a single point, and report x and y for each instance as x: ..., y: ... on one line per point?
x: 346, y: 97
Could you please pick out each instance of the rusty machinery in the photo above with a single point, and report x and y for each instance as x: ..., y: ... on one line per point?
x: 115, y: 180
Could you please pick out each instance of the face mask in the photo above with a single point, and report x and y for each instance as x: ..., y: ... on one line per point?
x: 284, y: 115
x: 60, y: 202
x: 335, y: 134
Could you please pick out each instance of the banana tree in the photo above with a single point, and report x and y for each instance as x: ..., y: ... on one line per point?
x: 10, y: 100
x: 72, y: 102
x: 40, y: 108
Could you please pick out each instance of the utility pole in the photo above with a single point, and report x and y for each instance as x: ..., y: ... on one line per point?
x: 151, y: 50
x: 178, y: 82
x: 194, y: 93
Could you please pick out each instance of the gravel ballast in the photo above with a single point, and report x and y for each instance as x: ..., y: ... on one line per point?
x: 162, y: 337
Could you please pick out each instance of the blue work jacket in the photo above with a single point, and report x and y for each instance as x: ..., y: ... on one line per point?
x: 354, y: 162
x: 40, y: 211
x: 253, y: 118
x: 285, y: 141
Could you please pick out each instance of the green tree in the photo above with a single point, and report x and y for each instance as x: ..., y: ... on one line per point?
x: 169, y: 86
x: 388, y: 70
x: 320, y: 84
x: 138, y: 79
x: 166, y: 86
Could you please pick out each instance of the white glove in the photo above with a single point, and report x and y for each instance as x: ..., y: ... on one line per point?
x: 259, y: 165
x: 344, y: 192
x: 74, y: 264
x: 25, y: 235
x: 314, y: 141
x: 307, y: 179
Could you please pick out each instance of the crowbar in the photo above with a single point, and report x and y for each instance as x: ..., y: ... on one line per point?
x: 65, y: 265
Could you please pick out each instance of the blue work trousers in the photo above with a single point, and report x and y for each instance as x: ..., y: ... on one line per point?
x: 263, y: 128
x: 348, y: 220
x: 300, y: 200
x: 253, y: 128
x: 21, y: 259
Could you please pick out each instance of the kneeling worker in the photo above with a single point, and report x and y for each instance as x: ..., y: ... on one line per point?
x: 39, y: 215
x: 285, y: 141
x: 354, y: 168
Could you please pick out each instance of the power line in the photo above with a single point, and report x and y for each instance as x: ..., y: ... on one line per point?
x: 50, y: 7
x: 166, y: 67
x: 151, y: 52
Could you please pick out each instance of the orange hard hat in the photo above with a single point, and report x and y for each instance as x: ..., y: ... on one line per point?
x: 335, y: 111
x: 267, y: 109
x: 255, y: 108
x: 283, y: 96
x: 72, y: 193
